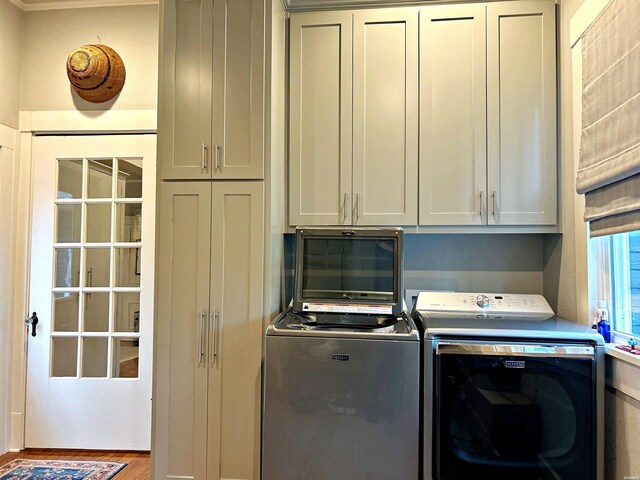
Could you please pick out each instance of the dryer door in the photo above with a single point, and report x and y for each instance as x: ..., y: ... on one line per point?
x: 514, y: 411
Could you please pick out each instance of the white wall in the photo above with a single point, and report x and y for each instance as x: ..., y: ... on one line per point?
x: 8, y: 177
x: 11, y: 24
x: 49, y: 37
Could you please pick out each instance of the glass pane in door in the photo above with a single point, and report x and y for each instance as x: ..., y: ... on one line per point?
x: 94, y: 356
x: 68, y: 221
x: 96, y: 312
x: 126, y: 312
x: 127, y: 264
x: 96, y: 267
x: 128, y: 222
x: 65, y: 311
x: 98, y: 222
x: 70, y: 178
x: 100, y: 178
x: 64, y: 356
x: 125, y: 358
x: 130, y: 178
x: 66, y: 267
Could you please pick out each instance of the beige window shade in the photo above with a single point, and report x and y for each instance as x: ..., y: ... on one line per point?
x: 609, y: 170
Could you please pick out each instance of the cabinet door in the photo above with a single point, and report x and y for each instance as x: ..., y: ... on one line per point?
x: 181, y: 368
x: 521, y: 113
x: 320, y: 156
x: 452, y: 115
x: 184, y: 104
x: 385, y: 117
x: 237, y: 331
x: 238, y: 89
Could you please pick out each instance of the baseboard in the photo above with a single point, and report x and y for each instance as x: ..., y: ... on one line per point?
x: 17, y: 428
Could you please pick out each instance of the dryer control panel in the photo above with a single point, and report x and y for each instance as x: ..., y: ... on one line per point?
x: 491, y: 303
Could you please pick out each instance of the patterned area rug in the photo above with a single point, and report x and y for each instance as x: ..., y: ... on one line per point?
x: 59, y: 470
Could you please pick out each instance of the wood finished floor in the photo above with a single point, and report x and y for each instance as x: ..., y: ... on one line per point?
x: 138, y: 463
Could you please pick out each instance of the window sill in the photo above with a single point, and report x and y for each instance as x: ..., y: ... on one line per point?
x: 622, y: 371
x: 622, y: 355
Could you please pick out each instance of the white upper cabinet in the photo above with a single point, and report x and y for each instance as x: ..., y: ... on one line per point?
x: 521, y: 113
x: 354, y: 167
x: 453, y: 164
x: 320, y: 155
x: 464, y: 137
x: 385, y: 117
x: 238, y: 89
x: 184, y: 104
x: 211, y: 105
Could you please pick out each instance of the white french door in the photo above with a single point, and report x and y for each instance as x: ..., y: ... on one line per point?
x: 91, y: 286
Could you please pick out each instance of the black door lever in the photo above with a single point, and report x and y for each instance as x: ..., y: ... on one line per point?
x: 33, y: 321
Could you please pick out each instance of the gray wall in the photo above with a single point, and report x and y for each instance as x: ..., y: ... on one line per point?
x: 486, y: 263
x: 51, y: 35
x: 11, y: 25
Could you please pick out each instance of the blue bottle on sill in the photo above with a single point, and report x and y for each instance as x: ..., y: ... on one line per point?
x: 604, y: 329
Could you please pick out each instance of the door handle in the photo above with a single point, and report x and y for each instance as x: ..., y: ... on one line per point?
x: 481, y: 198
x: 357, y: 207
x: 203, y: 157
x: 493, y: 200
x: 201, y: 318
x: 33, y: 321
x: 218, y: 156
x: 344, y: 207
x: 213, y: 337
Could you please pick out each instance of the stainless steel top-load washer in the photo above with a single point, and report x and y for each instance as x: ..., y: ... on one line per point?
x: 511, y: 391
x: 341, y: 382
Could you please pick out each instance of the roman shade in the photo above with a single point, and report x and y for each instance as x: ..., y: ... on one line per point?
x: 609, y: 169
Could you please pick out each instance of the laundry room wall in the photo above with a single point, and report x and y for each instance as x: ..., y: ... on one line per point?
x: 509, y: 263
x: 51, y: 35
x: 11, y: 25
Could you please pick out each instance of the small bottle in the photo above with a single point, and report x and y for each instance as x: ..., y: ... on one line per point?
x: 594, y: 325
x: 603, y: 311
x: 604, y: 327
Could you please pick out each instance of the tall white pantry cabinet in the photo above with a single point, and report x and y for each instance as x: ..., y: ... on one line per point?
x: 211, y: 240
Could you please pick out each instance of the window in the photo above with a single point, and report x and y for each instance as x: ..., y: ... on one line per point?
x: 616, y: 259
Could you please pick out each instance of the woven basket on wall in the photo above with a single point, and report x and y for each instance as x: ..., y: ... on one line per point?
x: 96, y: 72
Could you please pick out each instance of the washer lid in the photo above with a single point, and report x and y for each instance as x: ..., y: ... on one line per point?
x: 371, y: 327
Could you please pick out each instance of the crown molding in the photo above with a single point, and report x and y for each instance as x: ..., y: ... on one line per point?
x: 64, y: 4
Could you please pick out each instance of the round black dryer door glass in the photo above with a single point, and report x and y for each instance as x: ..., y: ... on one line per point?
x: 505, y: 417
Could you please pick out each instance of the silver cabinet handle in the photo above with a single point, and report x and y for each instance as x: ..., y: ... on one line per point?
x: 203, y: 157
x: 493, y: 201
x: 344, y: 207
x: 218, y: 156
x: 215, y: 336
x: 357, y: 206
x: 201, y: 320
x: 481, y: 198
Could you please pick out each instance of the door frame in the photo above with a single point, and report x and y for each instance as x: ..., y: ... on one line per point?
x: 32, y: 123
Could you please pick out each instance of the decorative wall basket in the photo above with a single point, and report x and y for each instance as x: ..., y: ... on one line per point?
x: 96, y: 72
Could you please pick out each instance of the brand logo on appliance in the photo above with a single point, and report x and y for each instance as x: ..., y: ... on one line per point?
x: 514, y: 363
x: 340, y: 357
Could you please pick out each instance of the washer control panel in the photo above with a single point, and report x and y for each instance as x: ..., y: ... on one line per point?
x: 494, y: 303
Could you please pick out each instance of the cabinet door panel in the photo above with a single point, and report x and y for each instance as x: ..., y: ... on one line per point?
x: 184, y: 109
x: 521, y: 103
x: 181, y: 375
x: 237, y: 272
x: 452, y: 115
x: 238, y: 89
x: 320, y: 119
x: 385, y: 112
